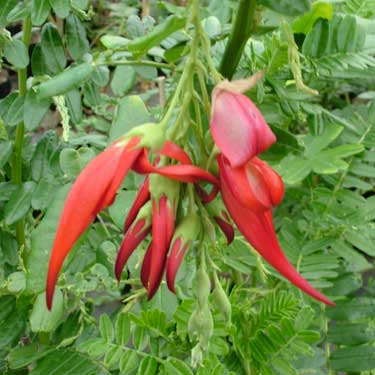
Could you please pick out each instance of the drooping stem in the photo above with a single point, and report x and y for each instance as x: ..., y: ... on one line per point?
x: 20, y: 130
x: 242, y: 28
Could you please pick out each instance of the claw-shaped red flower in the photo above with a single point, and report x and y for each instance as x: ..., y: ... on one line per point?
x: 184, y: 235
x: 250, y: 187
x: 88, y: 196
x: 250, y: 207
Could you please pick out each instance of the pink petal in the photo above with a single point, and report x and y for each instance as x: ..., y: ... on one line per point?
x: 238, y: 127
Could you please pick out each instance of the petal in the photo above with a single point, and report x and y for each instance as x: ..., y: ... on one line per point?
x: 207, y: 198
x: 174, y: 261
x: 142, y: 164
x: 238, y: 128
x: 173, y: 151
x: 92, y: 191
x: 133, y: 237
x: 186, y: 173
x: 162, y: 231
x: 247, y: 184
x: 146, y: 266
x: 273, y: 180
x: 258, y: 230
x: 143, y: 195
x: 226, y: 228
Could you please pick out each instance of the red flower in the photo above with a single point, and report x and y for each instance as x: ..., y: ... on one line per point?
x: 250, y: 187
x: 184, y: 235
x: 249, y: 193
x: 88, y: 196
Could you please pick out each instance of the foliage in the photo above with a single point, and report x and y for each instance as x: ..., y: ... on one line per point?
x: 77, y: 75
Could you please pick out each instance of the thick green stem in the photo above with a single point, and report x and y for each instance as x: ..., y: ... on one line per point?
x: 20, y: 130
x: 242, y: 28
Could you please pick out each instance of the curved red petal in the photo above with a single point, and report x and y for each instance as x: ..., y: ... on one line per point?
x: 143, y: 195
x: 186, y: 173
x: 273, y: 180
x: 207, y: 198
x: 247, y: 184
x: 93, y: 190
x: 133, y: 237
x: 162, y: 231
x: 226, y: 228
x: 142, y: 165
x: 174, y: 261
x: 238, y: 127
x: 173, y: 151
x: 146, y: 266
x: 258, y: 230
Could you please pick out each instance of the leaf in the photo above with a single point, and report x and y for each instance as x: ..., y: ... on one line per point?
x: 70, y: 162
x: 43, y: 320
x: 129, y: 362
x: 305, y: 23
x: 52, y: 48
x: 123, y: 80
x: 16, y: 53
x: 354, y: 359
x: 38, y: 62
x: 5, y: 152
x: 41, y: 242
x: 15, y: 113
x: 6, y: 7
x: 355, y: 309
x: 293, y: 170
x: 119, y: 209
x: 130, y: 112
x: 316, y: 143
x: 23, y: 356
x: 39, y: 11
x: 350, y: 334
x: 76, y: 39
x: 114, y: 41
x: 34, y: 110
x: 60, y: 7
x: 66, y: 362
x: 142, y: 44
x: 174, y: 366
x: 148, y: 366
x: 122, y: 329
x: 288, y: 7
x: 74, y: 104
x: 19, y: 203
x: 12, y: 322
x: 106, y: 328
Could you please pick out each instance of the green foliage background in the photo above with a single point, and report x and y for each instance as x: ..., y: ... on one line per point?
x: 325, y: 154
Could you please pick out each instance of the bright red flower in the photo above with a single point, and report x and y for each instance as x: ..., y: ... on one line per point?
x: 183, y: 237
x: 250, y: 207
x: 88, y: 196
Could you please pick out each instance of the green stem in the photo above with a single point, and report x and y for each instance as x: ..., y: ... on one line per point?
x: 242, y: 28
x: 20, y: 131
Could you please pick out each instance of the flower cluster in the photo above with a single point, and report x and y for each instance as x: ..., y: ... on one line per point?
x: 249, y: 189
x: 153, y: 210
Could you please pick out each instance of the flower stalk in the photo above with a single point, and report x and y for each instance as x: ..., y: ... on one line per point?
x: 242, y: 28
x: 20, y: 132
